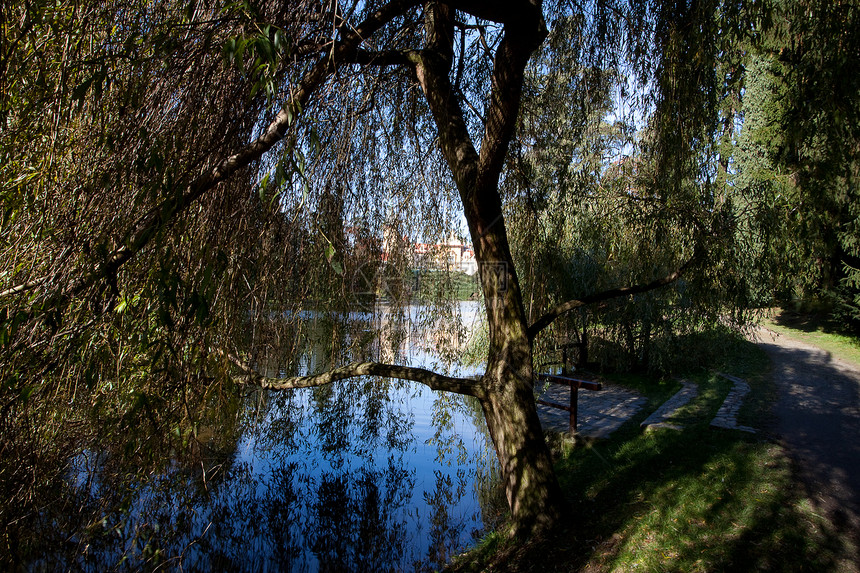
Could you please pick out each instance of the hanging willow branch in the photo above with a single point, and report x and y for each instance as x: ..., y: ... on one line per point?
x: 160, y: 216
x: 565, y: 307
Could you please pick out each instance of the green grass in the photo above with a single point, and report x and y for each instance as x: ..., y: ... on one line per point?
x: 816, y: 329
x: 697, y: 500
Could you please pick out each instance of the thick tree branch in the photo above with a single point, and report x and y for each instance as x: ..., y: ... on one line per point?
x: 432, y: 68
x: 501, y: 11
x: 511, y: 58
x: 564, y: 307
x: 382, y: 58
x: 465, y: 386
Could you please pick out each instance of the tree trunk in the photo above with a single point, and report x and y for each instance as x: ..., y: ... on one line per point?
x: 507, y: 396
x: 508, y: 400
x: 531, y: 488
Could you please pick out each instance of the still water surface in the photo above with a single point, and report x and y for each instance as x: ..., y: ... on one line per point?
x: 361, y: 475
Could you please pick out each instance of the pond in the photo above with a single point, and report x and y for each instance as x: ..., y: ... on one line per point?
x: 360, y: 475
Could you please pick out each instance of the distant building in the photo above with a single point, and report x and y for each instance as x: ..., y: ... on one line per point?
x: 450, y: 254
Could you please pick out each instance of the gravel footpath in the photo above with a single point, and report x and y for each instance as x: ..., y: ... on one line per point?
x: 818, y: 421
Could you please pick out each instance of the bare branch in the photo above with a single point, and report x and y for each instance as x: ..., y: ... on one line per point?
x: 472, y: 107
x: 382, y: 58
x: 465, y: 386
x: 24, y: 287
x: 564, y: 307
x: 309, y: 49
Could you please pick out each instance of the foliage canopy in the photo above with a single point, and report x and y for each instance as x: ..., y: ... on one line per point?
x: 181, y: 182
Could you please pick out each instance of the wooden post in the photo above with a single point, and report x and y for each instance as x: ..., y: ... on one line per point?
x: 575, y: 384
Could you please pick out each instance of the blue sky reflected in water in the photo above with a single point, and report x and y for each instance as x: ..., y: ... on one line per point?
x: 361, y: 475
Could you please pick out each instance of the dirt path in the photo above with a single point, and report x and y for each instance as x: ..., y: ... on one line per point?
x: 818, y: 420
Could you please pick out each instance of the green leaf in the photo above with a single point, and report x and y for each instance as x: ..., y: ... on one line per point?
x: 26, y: 392
x: 315, y: 141
x: 330, y: 253
x: 229, y: 50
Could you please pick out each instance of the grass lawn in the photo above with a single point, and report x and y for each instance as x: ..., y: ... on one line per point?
x: 815, y: 329
x: 700, y: 499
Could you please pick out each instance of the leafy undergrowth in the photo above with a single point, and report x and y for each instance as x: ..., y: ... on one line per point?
x: 700, y: 499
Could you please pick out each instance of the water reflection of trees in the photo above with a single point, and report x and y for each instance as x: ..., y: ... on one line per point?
x: 347, y: 519
x: 212, y: 479
x: 344, y: 507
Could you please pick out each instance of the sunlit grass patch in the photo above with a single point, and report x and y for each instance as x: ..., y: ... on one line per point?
x: 737, y: 512
x: 704, y: 499
x: 819, y: 332
x: 700, y: 499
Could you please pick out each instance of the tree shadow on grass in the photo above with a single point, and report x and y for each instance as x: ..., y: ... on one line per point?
x: 812, y: 321
x: 699, y: 499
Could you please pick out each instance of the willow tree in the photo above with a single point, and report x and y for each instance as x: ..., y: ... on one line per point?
x: 171, y: 169
x: 612, y: 181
